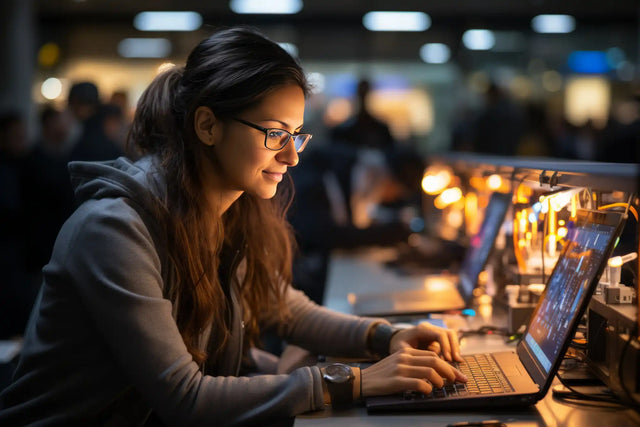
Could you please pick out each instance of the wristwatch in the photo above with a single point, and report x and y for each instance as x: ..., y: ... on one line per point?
x: 339, y: 378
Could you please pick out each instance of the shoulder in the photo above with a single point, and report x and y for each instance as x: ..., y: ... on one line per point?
x: 105, y: 245
x: 109, y: 227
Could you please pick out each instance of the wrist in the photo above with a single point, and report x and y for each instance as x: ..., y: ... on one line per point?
x: 357, y: 384
x: 339, y: 380
x: 379, y: 339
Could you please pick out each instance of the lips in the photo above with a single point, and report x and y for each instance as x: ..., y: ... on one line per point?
x: 275, y: 176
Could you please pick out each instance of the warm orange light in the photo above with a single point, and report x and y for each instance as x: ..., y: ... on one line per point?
x: 438, y: 284
x: 562, y: 232
x: 523, y: 221
x: 454, y: 218
x: 435, y: 181
x: 471, y: 213
x: 523, y: 193
x: 494, y: 182
x: 447, y: 197
x: 451, y: 195
x: 351, y: 298
x: 477, y: 183
x: 552, y: 241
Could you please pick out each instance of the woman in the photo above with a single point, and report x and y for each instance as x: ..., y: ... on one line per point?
x: 161, y: 280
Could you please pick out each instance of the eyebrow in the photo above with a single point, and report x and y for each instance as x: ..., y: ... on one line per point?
x: 286, y: 125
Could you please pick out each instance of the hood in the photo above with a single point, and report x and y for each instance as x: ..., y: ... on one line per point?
x: 140, y: 181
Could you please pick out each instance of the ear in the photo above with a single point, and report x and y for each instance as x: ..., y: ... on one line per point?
x: 206, y: 125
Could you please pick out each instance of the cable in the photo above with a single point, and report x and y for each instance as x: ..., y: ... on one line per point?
x: 575, y: 395
x: 621, y: 205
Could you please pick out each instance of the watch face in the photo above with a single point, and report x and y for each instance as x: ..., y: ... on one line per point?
x: 338, y: 373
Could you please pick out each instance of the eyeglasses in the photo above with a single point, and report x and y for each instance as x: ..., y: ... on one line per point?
x: 276, y: 139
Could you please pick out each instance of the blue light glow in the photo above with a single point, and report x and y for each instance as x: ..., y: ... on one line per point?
x: 588, y: 62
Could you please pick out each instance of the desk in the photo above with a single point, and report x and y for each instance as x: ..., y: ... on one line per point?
x: 363, y: 271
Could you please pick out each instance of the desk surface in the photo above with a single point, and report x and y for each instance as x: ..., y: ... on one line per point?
x: 364, y: 272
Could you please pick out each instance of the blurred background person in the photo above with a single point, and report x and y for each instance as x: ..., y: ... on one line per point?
x: 91, y: 142
x: 363, y: 142
x: 46, y: 189
x: 500, y: 124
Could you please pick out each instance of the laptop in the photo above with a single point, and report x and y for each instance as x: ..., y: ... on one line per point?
x: 443, y: 292
x: 522, y: 376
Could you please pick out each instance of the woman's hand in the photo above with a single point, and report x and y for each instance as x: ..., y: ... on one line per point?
x: 425, y: 336
x: 408, y: 368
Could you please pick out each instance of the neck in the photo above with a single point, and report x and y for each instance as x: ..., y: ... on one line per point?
x: 219, y: 196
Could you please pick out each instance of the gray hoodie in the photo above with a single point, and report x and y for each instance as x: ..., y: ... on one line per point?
x: 102, y: 345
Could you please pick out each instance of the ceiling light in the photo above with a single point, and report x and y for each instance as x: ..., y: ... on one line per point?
x: 558, y: 24
x: 396, y: 21
x: 435, y: 53
x: 283, y: 7
x: 478, y: 39
x: 167, y: 21
x: 51, y: 88
x: 144, y: 48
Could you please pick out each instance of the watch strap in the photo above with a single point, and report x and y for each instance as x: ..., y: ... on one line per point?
x: 380, y: 338
x: 341, y: 392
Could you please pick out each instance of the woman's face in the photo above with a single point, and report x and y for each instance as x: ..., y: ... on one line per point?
x: 244, y: 163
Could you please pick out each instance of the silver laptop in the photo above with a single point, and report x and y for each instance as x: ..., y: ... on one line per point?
x: 523, y: 376
x: 443, y: 292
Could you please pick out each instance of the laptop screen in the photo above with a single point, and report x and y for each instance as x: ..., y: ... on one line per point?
x: 482, y: 242
x: 571, y: 282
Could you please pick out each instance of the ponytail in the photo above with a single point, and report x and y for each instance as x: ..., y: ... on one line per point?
x: 159, y: 116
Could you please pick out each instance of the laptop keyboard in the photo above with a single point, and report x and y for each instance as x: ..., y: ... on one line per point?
x: 483, y: 374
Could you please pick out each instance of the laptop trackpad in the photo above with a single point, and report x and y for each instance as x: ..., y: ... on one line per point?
x: 510, y: 364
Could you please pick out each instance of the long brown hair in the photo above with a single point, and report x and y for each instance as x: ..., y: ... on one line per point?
x: 229, y: 72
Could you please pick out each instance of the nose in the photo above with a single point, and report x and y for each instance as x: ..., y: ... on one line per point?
x: 288, y: 154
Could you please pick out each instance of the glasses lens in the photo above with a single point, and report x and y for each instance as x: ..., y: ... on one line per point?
x: 300, y: 141
x: 276, y: 138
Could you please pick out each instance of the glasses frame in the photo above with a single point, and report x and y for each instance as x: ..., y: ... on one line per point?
x: 266, y: 133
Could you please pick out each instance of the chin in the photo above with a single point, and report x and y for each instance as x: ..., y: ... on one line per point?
x: 265, y: 193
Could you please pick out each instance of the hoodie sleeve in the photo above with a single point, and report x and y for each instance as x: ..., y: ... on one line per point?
x: 116, y: 268
x: 325, y: 331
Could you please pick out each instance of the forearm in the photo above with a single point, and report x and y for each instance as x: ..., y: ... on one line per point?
x: 324, y: 331
x: 247, y: 400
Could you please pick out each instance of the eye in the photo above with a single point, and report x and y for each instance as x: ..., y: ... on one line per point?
x: 276, y: 133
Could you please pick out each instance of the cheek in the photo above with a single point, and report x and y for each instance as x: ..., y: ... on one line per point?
x: 242, y: 162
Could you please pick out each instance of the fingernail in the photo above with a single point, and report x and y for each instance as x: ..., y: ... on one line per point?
x: 464, y: 377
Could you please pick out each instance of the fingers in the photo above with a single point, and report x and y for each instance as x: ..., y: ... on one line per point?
x: 435, y: 347
x: 455, y: 345
x: 426, y: 364
x: 445, y: 339
x: 424, y: 373
x: 408, y: 369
